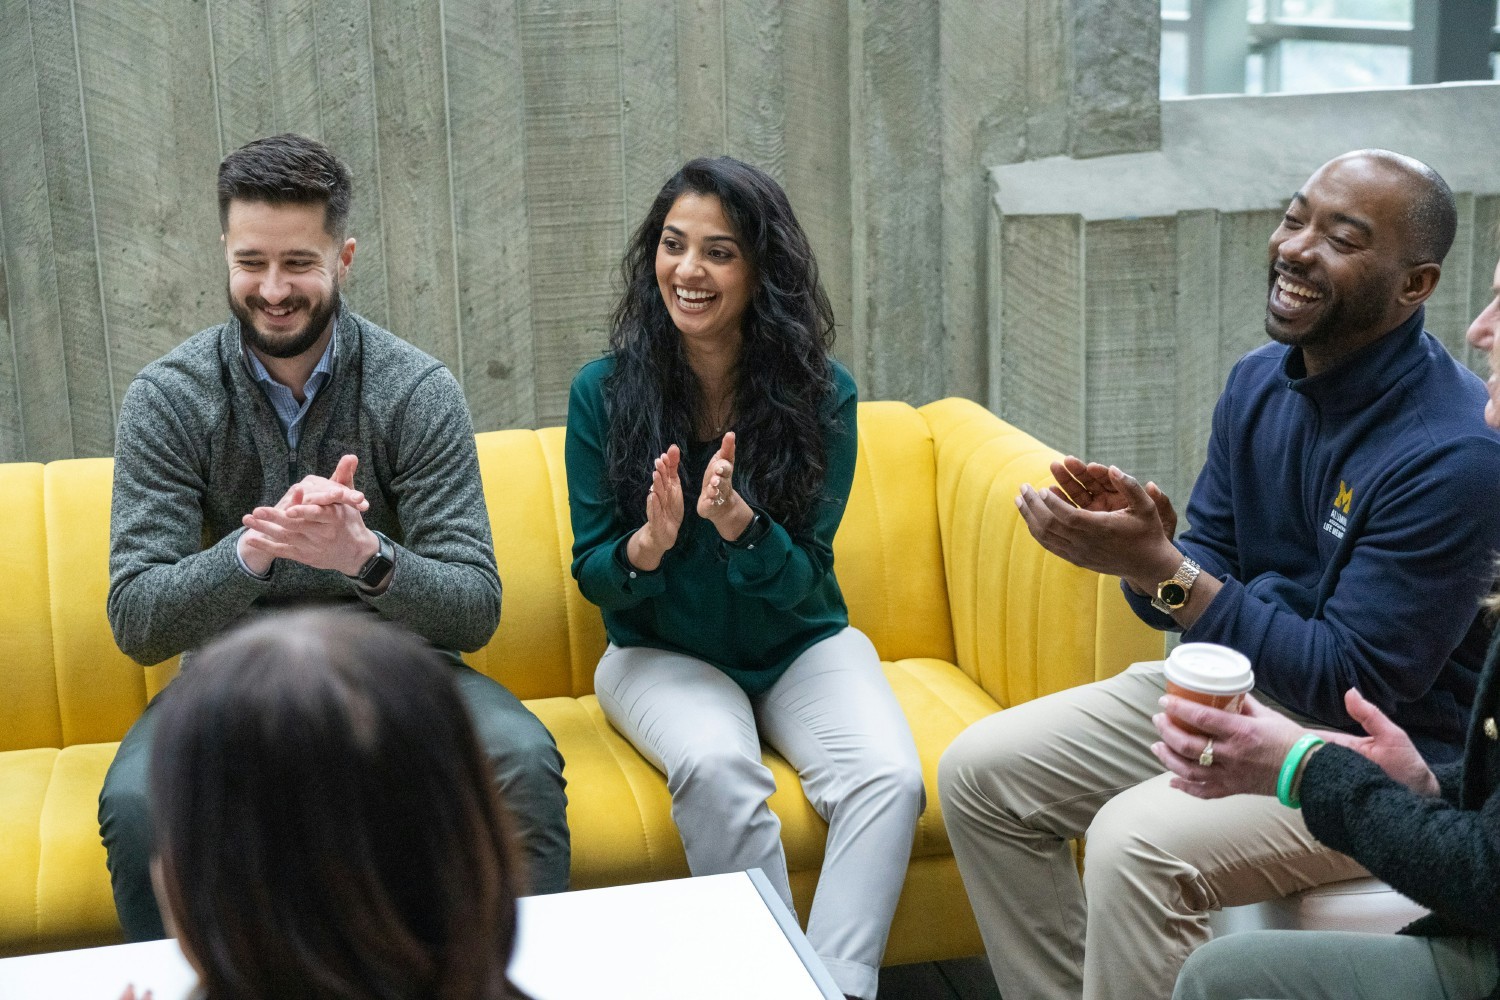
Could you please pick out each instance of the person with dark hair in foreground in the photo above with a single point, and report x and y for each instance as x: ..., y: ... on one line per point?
x: 300, y: 454
x: 710, y: 457
x: 325, y: 821
x: 1431, y: 832
x: 1333, y: 538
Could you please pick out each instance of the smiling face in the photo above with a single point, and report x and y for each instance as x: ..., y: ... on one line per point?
x: 704, y: 277
x: 1484, y: 335
x: 1337, y: 278
x: 284, y: 274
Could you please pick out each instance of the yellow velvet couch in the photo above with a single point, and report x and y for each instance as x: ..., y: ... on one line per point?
x: 966, y: 610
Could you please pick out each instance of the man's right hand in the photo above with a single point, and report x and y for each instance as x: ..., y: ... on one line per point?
x: 1089, y: 486
x: 311, y: 490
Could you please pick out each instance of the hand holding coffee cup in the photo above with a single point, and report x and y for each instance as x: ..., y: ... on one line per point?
x: 1209, y: 674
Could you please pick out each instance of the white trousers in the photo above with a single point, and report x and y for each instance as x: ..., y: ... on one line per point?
x: 833, y: 716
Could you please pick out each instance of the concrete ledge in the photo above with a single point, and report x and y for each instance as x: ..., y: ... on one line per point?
x: 1236, y: 153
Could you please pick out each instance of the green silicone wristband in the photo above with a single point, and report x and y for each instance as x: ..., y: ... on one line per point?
x: 1289, y: 770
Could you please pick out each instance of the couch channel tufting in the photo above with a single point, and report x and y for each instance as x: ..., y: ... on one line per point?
x: 968, y: 613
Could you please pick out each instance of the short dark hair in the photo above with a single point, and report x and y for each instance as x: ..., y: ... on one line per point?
x: 325, y: 820
x: 1432, y: 215
x: 288, y: 169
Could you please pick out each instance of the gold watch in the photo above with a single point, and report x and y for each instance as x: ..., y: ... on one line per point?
x: 1172, y: 595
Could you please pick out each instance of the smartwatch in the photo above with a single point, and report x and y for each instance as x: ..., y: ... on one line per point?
x: 376, y: 568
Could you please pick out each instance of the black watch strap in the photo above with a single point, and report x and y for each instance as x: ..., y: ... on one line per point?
x: 376, y: 568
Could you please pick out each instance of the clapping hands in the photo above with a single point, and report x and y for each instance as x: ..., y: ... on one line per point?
x: 317, y: 522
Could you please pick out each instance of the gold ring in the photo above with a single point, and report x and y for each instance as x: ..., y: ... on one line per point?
x: 1206, y: 758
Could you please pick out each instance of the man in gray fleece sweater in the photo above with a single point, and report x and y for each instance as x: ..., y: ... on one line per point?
x: 300, y: 454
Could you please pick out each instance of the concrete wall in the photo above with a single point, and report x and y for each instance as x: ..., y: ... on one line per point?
x: 502, y: 151
x: 1122, y: 289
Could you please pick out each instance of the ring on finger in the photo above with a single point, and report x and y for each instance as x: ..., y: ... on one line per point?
x: 1206, y: 758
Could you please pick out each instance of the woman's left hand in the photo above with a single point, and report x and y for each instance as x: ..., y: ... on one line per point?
x: 717, y: 501
x: 1248, y: 747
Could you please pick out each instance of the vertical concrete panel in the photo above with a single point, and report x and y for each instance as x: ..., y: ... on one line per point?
x: 346, y: 107
x: 265, y: 69
x: 415, y: 191
x: 12, y: 433
x: 33, y: 381
x: 153, y: 150
x: 1448, y: 312
x: 1043, y: 371
x: 296, y: 66
x: 815, y: 68
x: 1131, y: 330
x: 1196, y: 362
x: 1114, y: 105
x: 1049, y: 78
x: 486, y: 128
x: 243, y: 87
x: 897, y: 198
x: 649, y: 102
x: 982, y: 61
x: 754, y: 90
x: 1244, y: 271
x: 701, y: 112
x: 573, y: 183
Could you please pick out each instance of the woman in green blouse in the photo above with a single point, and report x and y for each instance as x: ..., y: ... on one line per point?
x: 710, y: 455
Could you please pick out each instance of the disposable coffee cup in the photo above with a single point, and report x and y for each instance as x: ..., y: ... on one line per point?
x: 1209, y: 674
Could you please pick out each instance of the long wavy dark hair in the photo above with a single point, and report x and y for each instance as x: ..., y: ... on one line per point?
x: 784, y: 375
x: 326, y: 823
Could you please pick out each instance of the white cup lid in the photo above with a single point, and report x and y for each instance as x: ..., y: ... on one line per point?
x: 1210, y: 668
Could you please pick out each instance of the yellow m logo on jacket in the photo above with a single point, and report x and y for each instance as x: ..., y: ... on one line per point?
x: 1345, y: 499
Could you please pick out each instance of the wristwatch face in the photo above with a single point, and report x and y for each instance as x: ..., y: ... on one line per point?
x: 1172, y: 594
x: 378, y: 565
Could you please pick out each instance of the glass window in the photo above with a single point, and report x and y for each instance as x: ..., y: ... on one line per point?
x: 1315, y: 66
x: 1395, y: 13
x: 1174, y: 10
x: 1173, y: 64
x: 1255, y: 73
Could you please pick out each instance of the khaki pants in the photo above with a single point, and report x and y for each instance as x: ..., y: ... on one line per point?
x: 1017, y: 786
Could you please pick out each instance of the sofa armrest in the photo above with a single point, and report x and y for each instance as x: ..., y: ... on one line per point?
x: 1025, y: 622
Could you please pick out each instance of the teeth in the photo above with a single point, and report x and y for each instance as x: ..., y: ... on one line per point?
x: 1296, y: 289
x: 278, y: 311
x: 694, y: 294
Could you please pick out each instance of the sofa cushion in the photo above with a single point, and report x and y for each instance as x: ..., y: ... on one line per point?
x: 622, y: 828
x: 50, y: 851
x: 29, y: 712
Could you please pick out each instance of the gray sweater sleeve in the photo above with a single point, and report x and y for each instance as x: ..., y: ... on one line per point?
x: 445, y: 586
x: 166, y: 592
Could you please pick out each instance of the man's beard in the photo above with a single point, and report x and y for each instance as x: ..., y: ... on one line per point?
x: 1342, y: 316
x: 294, y: 344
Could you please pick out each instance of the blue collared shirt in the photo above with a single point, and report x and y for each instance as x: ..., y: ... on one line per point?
x: 288, y: 410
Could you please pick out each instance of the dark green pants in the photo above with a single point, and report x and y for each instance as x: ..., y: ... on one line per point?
x: 528, y: 773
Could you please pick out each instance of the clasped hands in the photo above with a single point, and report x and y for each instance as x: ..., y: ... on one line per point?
x: 318, y: 522
x: 718, y: 503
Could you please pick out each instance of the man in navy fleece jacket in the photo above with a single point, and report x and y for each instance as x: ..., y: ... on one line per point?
x: 1339, y: 537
